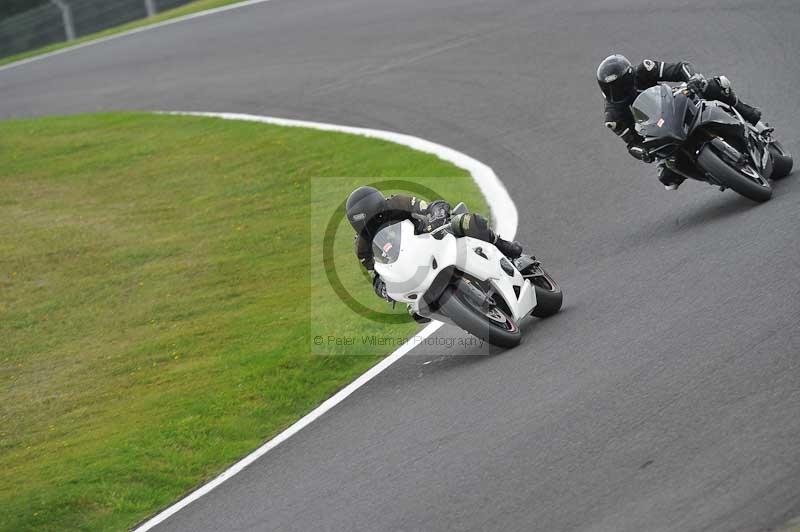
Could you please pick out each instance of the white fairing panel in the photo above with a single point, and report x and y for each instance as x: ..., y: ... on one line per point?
x: 422, y: 257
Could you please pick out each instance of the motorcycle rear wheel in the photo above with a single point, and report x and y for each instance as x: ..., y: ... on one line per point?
x: 745, y: 180
x: 492, y: 325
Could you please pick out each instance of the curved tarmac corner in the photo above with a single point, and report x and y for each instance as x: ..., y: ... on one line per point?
x: 496, y: 196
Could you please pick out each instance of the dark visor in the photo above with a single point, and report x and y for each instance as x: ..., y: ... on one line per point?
x: 619, y: 90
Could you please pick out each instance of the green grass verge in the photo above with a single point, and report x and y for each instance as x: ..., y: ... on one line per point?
x: 193, y: 7
x: 158, y: 280
x: 792, y: 526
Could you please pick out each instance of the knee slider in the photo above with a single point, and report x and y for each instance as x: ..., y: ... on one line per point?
x: 723, y: 90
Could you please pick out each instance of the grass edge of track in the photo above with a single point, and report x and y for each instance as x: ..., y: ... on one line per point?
x: 162, y: 317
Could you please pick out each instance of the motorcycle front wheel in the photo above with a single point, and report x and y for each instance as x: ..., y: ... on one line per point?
x: 744, y: 179
x: 491, y: 324
x: 548, y: 295
x: 781, y: 160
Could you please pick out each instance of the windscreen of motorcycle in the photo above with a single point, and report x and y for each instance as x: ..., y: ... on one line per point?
x: 647, y: 108
x: 386, y: 244
x: 660, y: 114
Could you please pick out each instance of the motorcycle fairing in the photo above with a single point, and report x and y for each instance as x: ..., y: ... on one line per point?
x: 714, y: 112
x: 720, y: 117
x: 423, y: 257
x: 660, y: 115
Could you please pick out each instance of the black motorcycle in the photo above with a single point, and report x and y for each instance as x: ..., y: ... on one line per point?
x: 709, y: 141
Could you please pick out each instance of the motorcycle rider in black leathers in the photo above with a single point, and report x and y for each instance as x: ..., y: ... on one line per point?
x: 368, y: 211
x: 621, y: 83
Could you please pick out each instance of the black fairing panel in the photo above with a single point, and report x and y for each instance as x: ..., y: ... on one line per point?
x: 716, y: 119
x: 713, y: 112
x: 660, y: 115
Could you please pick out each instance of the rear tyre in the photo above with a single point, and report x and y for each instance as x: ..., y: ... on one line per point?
x: 548, y: 295
x: 781, y: 160
x: 745, y: 180
x: 492, y: 325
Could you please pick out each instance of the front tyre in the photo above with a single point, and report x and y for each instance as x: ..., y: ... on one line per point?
x: 781, y: 160
x: 491, y: 324
x: 743, y: 178
x: 548, y: 295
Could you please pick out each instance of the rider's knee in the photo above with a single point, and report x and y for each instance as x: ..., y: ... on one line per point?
x: 720, y: 88
x: 470, y: 224
x: 456, y: 225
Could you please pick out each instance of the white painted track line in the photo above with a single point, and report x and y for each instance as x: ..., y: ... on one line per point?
x: 291, y: 431
x: 489, y: 184
x: 499, y: 202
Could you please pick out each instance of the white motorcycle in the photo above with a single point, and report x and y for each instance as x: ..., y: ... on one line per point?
x: 463, y: 281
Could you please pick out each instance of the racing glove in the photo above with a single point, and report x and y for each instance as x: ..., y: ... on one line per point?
x: 641, y: 153
x: 438, y: 215
x: 697, y: 84
x: 380, y: 288
x: 416, y: 317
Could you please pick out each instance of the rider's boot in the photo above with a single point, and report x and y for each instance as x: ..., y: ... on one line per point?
x: 764, y: 129
x: 512, y: 250
x: 671, y: 180
x: 748, y: 112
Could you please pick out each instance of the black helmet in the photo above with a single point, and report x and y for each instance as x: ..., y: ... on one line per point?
x: 365, y: 208
x: 615, y: 77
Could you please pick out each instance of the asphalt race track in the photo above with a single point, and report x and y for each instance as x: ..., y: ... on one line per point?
x: 665, y: 396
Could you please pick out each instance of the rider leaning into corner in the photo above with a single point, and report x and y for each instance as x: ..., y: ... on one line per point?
x: 621, y: 83
x: 368, y: 211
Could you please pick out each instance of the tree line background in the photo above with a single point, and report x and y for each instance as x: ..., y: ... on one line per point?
x: 12, y: 7
x: 29, y: 24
